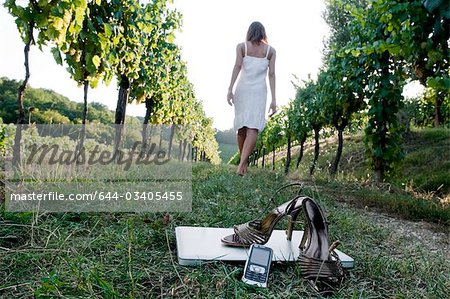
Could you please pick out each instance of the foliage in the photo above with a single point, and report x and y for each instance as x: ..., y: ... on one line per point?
x: 97, y: 39
x: 273, y: 136
x: 36, y: 15
x: 374, y: 49
x: 107, y: 255
x: 80, y: 33
x: 441, y: 9
x: 159, y: 55
x: 2, y: 139
x: 421, y: 110
x: 202, y: 134
x: 300, y: 122
x: 378, y: 48
x: 40, y: 104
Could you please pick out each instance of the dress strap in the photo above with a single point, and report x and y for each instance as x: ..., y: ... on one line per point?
x: 268, y: 49
x: 245, y: 45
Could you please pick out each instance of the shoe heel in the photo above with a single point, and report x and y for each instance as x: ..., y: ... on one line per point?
x: 290, y: 228
x: 292, y: 219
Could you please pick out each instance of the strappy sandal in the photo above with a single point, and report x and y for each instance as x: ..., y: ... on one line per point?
x: 259, y: 231
x: 319, y: 262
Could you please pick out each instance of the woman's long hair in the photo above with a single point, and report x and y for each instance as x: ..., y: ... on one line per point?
x: 256, y: 33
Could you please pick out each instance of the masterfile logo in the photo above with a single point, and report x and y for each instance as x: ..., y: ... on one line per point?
x: 75, y: 168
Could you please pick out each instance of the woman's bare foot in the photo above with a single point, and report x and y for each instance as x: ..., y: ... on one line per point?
x: 242, y: 170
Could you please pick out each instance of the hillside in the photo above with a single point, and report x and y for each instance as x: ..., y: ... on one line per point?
x: 418, y: 190
x: 425, y: 166
x: 227, y: 144
x: 46, y: 106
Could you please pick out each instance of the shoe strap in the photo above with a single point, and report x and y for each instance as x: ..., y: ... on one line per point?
x: 334, y: 245
x: 249, y: 233
x: 272, y: 199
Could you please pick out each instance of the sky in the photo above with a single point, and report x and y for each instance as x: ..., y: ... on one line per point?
x: 210, y: 32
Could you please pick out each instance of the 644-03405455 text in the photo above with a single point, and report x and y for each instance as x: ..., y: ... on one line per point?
x: 100, y: 196
x: 150, y: 195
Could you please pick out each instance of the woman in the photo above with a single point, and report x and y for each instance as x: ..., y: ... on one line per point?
x: 253, y: 57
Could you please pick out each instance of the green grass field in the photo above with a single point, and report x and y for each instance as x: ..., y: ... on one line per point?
x: 417, y: 190
x: 133, y: 255
x: 124, y: 255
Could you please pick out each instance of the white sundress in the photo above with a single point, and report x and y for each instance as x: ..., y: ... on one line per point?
x: 250, y: 95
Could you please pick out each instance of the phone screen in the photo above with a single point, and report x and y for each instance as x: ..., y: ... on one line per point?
x: 260, y: 257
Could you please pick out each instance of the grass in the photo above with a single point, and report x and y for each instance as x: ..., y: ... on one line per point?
x: 426, y: 166
x: 420, y: 188
x: 392, y: 201
x: 126, y: 255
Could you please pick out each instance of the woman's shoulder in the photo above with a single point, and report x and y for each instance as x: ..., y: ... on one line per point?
x: 272, y: 52
x: 241, y: 45
x: 241, y: 48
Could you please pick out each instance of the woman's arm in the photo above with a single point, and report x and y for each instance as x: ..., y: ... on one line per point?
x: 273, y: 103
x: 235, y: 73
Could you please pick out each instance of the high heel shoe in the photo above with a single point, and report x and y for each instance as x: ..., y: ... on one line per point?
x: 259, y: 231
x: 319, y: 262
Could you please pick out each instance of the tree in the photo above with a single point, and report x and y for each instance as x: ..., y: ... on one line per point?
x: 430, y: 53
x: 341, y: 88
x: 129, y: 23
x: 145, y: 77
x: 309, y: 97
x: 83, y: 40
x: 202, y: 134
x: 376, y: 43
x: 33, y: 16
x: 299, y: 123
x: 159, y: 57
x: 288, y: 126
x: 341, y: 81
x: 273, y: 135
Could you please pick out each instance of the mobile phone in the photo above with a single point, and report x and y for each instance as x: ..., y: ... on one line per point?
x: 257, y: 266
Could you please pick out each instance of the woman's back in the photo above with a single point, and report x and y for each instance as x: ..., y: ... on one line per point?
x: 256, y: 50
x: 254, y: 66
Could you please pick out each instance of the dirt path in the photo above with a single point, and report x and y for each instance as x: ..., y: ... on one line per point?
x: 435, y: 238
x: 410, y: 233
